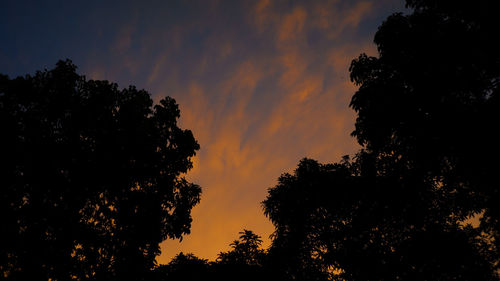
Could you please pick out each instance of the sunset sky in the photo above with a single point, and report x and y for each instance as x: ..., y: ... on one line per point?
x: 261, y: 84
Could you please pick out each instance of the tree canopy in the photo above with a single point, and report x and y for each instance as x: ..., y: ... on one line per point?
x: 429, y: 104
x: 427, y: 108
x: 334, y: 221
x: 247, y: 250
x: 92, y: 177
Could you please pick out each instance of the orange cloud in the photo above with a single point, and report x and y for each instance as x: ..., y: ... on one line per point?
x: 295, y: 65
x: 291, y: 26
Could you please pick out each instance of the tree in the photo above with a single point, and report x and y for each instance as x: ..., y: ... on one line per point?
x: 427, y: 107
x: 430, y: 102
x: 295, y: 207
x: 342, y: 222
x: 92, y: 177
x: 246, y: 251
x: 245, y: 261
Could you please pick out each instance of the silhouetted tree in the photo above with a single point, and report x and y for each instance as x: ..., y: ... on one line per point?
x: 245, y: 261
x: 343, y: 222
x: 430, y: 103
x: 247, y: 250
x: 291, y: 208
x: 427, y: 112
x: 92, y: 177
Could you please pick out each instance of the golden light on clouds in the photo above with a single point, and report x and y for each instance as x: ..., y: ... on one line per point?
x: 264, y: 113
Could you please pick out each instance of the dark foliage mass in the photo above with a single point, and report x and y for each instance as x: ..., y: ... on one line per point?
x: 91, y: 178
x: 245, y: 261
x: 427, y: 117
x: 334, y: 221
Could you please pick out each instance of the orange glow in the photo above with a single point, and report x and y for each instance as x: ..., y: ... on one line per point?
x: 257, y: 101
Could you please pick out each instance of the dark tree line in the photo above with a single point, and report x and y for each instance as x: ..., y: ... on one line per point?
x: 245, y: 261
x: 92, y: 176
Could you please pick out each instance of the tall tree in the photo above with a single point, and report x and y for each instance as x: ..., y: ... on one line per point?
x: 430, y: 102
x: 92, y: 177
x: 427, y: 112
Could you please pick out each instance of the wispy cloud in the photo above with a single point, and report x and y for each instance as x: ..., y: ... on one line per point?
x: 260, y: 83
x: 284, y: 99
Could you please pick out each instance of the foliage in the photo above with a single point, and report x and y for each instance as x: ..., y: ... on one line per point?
x: 184, y: 267
x: 245, y: 261
x: 335, y: 221
x: 247, y: 250
x: 430, y: 103
x: 92, y: 177
x: 427, y: 112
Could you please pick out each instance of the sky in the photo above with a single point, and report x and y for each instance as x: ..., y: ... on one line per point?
x: 260, y: 83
